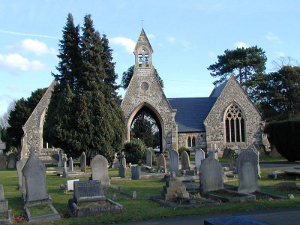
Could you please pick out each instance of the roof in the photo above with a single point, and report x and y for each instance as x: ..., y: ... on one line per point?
x: 191, y: 112
x: 217, y: 90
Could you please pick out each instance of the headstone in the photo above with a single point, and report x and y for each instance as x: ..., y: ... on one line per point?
x: 34, y: 173
x: 161, y: 161
x: 199, y: 156
x: 11, y: 161
x: 214, y: 152
x: 253, y: 149
x: 65, y: 170
x: 122, y: 159
x: 247, y: 164
x: 135, y: 172
x: 149, y: 158
x: 174, y: 189
x: 116, y: 162
x: 239, y: 150
x: 185, y: 161
x: 4, y: 210
x: 211, y: 175
x: 122, y: 171
x: 60, y: 162
x: 173, y: 161
x: 20, y: 165
x: 70, y: 164
x: 88, y: 191
x: 2, y: 162
x: 83, y: 162
x: 70, y: 184
x: 274, y: 153
x: 99, y: 166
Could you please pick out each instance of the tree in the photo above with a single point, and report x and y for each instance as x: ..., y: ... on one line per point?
x: 127, y: 75
x: 280, y: 94
x: 86, y: 116
x: 246, y: 62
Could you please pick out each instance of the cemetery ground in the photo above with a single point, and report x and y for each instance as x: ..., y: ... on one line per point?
x: 142, y: 208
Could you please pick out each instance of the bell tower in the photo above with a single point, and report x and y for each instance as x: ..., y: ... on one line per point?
x: 143, y: 52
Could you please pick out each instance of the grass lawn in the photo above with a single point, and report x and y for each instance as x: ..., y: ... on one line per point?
x: 264, y: 160
x: 141, y: 208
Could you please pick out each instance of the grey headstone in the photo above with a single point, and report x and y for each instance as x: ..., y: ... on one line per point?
x: 211, y: 175
x: 20, y: 165
x: 239, y: 150
x: 65, y: 170
x: 3, y: 201
x: 60, y: 162
x: 173, y: 161
x: 88, y: 190
x: 34, y: 173
x: 122, y: 159
x: 70, y: 164
x: 214, y: 152
x: 99, y: 166
x: 11, y: 161
x: 135, y: 172
x: 161, y: 161
x: 122, y: 171
x: 116, y: 162
x: 199, y: 156
x: 2, y: 162
x: 149, y: 158
x: 248, y: 174
x: 185, y: 161
x: 253, y: 149
x: 83, y: 162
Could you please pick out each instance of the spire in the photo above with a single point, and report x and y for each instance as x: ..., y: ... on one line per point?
x: 143, y: 51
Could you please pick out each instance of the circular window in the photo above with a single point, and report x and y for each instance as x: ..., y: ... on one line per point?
x: 144, y: 86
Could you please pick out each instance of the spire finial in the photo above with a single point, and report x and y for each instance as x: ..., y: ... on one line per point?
x: 142, y: 22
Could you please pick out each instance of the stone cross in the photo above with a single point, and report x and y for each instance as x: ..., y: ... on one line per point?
x: 60, y: 162
x: 213, y: 152
x: 83, y: 162
x: 122, y: 159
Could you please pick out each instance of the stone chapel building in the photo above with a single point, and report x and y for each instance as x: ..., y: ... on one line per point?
x: 226, y: 118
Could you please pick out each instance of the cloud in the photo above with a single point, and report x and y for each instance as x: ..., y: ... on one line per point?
x: 24, y: 34
x: 171, y: 40
x: 272, y: 37
x: 151, y: 36
x: 15, y: 62
x: 125, y: 42
x: 279, y: 54
x: 212, y: 55
x: 13, y: 88
x: 240, y: 44
x: 29, y: 45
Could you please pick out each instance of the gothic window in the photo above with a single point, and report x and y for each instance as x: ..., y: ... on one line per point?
x: 140, y: 59
x: 147, y: 60
x: 189, y: 142
x: 193, y: 142
x: 235, y: 124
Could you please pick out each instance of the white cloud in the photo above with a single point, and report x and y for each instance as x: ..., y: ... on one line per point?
x: 13, y: 62
x: 279, y: 54
x: 240, y: 44
x: 29, y: 45
x: 171, y: 40
x: 151, y: 36
x: 125, y: 42
x: 24, y: 34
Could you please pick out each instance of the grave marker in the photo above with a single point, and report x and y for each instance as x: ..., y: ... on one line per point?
x: 135, y: 172
x: 83, y: 162
x: 173, y: 161
x: 199, y: 156
x: 185, y: 161
x: 99, y: 166
x: 149, y: 158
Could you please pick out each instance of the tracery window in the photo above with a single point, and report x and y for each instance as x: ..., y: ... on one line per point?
x: 234, y: 124
x: 191, y: 142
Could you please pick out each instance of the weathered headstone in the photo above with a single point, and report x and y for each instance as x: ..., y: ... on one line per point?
x: 174, y: 189
x: 20, y: 165
x: 60, y: 162
x: 116, y: 162
x: 70, y: 164
x: 199, y: 156
x: 211, y: 175
x: 149, y: 158
x: 83, y: 162
x: 239, y: 150
x: 161, y: 161
x: 173, y: 161
x: 122, y: 171
x: 253, y: 149
x: 11, y: 161
x: 99, y: 166
x: 4, y: 210
x: 247, y: 164
x: 88, y: 190
x: 65, y: 170
x: 34, y: 172
x: 2, y: 162
x: 214, y: 152
x: 122, y: 159
x: 185, y: 161
x: 135, y: 172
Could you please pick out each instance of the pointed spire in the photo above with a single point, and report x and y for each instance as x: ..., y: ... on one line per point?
x: 143, y: 40
x: 143, y: 52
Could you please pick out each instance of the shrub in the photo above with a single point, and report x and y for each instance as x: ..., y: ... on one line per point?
x: 134, y: 151
x: 285, y: 135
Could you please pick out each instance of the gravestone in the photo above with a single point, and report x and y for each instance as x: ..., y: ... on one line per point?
x: 4, y: 210
x: 70, y: 164
x: 11, y: 161
x: 70, y: 184
x: 174, y: 189
x: 199, y: 156
x: 65, y: 170
x: 122, y: 159
x: 173, y: 161
x: 248, y: 174
x: 122, y: 171
x: 20, y: 165
x: 239, y: 150
x: 252, y: 148
x: 135, y: 172
x: 185, y: 161
x: 211, y: 175
x: 60, y: 162
x: 83, y: 162
x: 149, y: 158
x: 99, y: 166
x: 88, y: 190
x: 34, y: 173
x: 161, y: 161
x: 116, y: 162
x: 2, y: 162
x: 214, y: 152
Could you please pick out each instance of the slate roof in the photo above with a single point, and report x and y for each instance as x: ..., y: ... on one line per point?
x: 191, y: 112
x: 217, y: 90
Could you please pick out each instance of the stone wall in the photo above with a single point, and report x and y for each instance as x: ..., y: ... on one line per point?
x: 215, y: 124
x: 200, y: 140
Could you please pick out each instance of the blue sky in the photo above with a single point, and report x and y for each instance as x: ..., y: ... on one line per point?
x: 186, y: 37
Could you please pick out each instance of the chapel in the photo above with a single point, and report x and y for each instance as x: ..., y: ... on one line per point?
x: 226, y: 118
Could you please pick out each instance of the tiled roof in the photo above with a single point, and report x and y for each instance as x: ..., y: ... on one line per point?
x: 191, y: 112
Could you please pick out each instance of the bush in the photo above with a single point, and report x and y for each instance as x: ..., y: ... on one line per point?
x: 134, y: 151
x: 285, y: 135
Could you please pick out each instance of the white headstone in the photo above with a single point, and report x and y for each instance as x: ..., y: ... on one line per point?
x: 100, y: 170
x: 199, y: 156
x: 70, y: 184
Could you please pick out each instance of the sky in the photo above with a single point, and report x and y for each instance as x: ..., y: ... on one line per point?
x: 186, y: 36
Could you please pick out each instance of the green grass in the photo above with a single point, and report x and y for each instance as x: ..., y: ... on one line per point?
x: 264, y: 160
x: 141, y: 208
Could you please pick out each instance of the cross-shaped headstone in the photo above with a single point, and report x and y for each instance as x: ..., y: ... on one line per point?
x: 213, y: 152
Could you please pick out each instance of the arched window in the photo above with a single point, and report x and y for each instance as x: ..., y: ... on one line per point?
x: 235, y: 124
x: 189, y: 142
x: 193, y: 142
